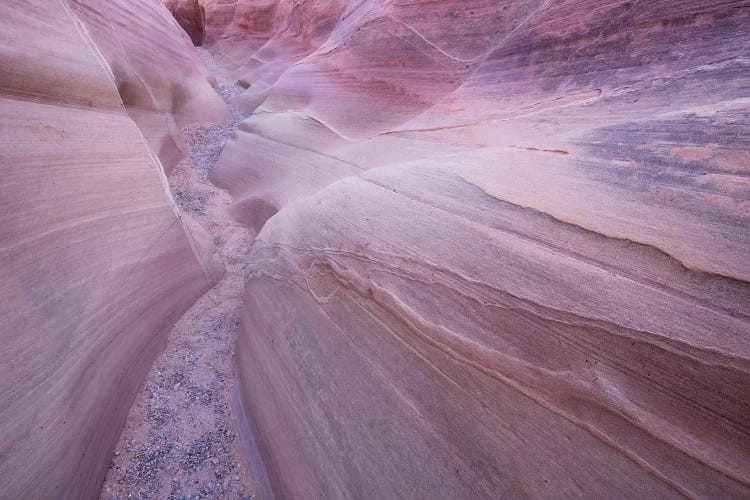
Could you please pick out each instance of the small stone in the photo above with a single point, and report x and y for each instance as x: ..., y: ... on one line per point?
x: 226, y: 484
x: 176, y: 386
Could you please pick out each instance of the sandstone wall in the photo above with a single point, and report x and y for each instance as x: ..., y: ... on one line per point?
x: 507, y: 246
x: 95, y: 262
x: 159, y: 77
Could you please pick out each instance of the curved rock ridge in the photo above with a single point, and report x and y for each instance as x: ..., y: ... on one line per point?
x: 502, y: 247
x: 160, y: 79
x: 96, y: 263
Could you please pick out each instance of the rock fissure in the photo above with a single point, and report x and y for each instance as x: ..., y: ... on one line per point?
x: 181, y: 441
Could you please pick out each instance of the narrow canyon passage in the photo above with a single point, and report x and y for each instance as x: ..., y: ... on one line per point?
x: 180, y: 440
x: 374, y: 249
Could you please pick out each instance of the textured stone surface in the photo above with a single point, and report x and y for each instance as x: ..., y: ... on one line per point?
x: 501, y: 252
x: 159, y: 77
x: 95, y: 262
x: 189, y: 16
x: 507, y: 246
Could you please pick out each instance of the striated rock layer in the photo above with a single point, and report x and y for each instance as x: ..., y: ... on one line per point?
x: 502, y: 246
x: 159, y: 77
x: 95, y: 262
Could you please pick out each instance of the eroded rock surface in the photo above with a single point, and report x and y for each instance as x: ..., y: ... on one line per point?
x: 96, y: 264
x: 501, y: 246
x: 502, y: 249
x: 180, y: 441
x: 159, y: 77
x: 190, y: 17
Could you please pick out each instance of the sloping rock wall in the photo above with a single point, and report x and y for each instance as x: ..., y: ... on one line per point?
x: 502, y: 249
x: 95, y: 262
x: 190, y: 17
x: 159, y: 77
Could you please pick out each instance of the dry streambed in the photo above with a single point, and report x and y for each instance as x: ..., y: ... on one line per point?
x: 180, y: 440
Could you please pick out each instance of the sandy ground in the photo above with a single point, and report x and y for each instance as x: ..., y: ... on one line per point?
x: 180, y: 440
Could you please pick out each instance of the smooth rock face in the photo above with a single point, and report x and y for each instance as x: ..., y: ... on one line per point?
x: 503, y: 246
x: 159, y: 77
x: 95, y: 262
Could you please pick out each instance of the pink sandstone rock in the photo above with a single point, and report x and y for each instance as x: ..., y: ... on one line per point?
x: 158, y: 75
x: 501, y: 249
x: 507, y: 246
x: 95, y: 262
x: 190, y: 16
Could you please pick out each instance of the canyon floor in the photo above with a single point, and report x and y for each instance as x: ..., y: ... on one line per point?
x: 180, y: 440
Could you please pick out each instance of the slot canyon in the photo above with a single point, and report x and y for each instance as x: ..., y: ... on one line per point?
x: 374, y: 249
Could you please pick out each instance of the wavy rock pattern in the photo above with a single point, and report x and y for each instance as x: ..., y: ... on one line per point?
x: 160, y: 79
x: 502, y: 248
x: 95, y: 262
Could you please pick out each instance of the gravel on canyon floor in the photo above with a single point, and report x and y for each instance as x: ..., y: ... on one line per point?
x: 180, y: 441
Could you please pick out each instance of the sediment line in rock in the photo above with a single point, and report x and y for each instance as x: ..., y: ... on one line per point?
x: 505, y: 248
x: 96, y: 263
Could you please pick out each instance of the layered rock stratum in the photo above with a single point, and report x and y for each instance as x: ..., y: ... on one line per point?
x: 96, y: 263
x: 501, y: 246
x: 507, y: 246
